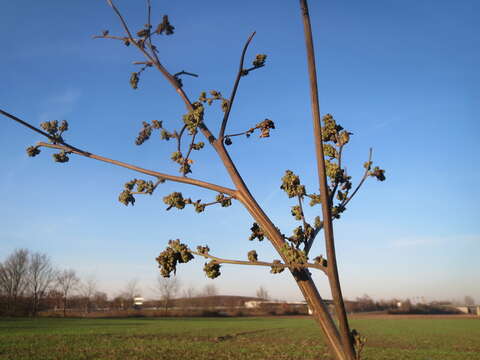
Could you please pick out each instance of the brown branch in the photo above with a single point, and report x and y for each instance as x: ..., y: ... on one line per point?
x: 122, y: 38
x: 301, y: 211
x: 260, y: 263
x: 190, y: 148
x: 347, y: 350
x: 30, y: 126
x: 365, y: 176
x: 122, y: 20
x: 303, y: 280
x: 171, y: 79
x: 233, y: 193
x: 235, y: 87
x: 241, y: 133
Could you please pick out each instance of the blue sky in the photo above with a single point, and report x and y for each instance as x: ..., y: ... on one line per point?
x: 402, y: 76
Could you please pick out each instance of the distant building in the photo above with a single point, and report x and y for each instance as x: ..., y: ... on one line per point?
x: 138, y: 302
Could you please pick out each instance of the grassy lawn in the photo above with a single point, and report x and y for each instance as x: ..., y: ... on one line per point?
x: 231, y: 338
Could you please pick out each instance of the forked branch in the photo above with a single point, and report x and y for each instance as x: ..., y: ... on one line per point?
x: 240, y: 73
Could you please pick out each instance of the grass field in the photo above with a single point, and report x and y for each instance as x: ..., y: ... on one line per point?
x: 232, y: 338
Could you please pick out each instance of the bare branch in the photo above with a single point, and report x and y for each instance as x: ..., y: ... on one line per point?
x: 300, y: 205
x: 233, y: 193
x: 30, y: 126
x: 332, y: 193
x: 110, y: 37
x: 122, y: 20
x: 171, y: 79
x: 333, y: 277
x: 260, y: 263
x: 234, y: 90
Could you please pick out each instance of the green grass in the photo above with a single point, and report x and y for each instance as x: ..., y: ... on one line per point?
x: 231, y: 338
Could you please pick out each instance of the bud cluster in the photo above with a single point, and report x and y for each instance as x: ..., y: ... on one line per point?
x: 257, y: 232
x: 216, y: 95
x: 291, y: 185
x: 252, y: 256
x: 212, y: 269
x: 176, y: 252
x: 276, y: 267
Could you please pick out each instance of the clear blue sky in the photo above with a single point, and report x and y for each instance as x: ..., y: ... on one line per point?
x: 401, y: 75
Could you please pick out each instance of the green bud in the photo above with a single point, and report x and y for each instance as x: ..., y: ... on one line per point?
x: 126, y: 198
x: 33, y: 151
x: 212, y: 269
x: 276, y: 268
x: 61, y: 157
x: 378, y: 173
x: 175, y: 199
x: 259, y: 60
x: 297, y: 212
x: 203, y: 249
x: 134, y: 80
x: 291, y: 185
x: 252, y: 256
x: 257, y: 232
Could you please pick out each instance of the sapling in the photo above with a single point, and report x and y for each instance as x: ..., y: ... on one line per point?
x: 192, y: 134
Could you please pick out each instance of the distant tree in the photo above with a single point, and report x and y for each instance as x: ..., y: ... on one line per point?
x: 14, y: 278
x: 189, y: 292
x: 68, y: 283
x: 40, y: 279
x: 334, y: 192
x: 100, y: 300
x: 210, y: 290
x: 131, y: 290
x: 88, y: 289
x: 469, y: 301
x: 168, y: 289
x: 262, y: 293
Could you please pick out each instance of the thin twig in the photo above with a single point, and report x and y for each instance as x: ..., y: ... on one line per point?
x: 183, y: 72
x: 216, y: 202
x: 234, y: 90
x: 31, y: 127
x: 122, y: 38
x: 122, y: 20
x: 159, y: 181
x: 301, y: 212
x: 190, y: 148
x: 171, y: 79
x: 365, y: 176
x: 332, y: 194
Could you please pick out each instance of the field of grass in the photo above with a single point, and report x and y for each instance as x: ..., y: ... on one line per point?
x: 232, y: 338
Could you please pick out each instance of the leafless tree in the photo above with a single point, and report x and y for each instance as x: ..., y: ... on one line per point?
x: 469, y: 300
x: 68, y: 282
x: 88, y: 289
x: 189, y: 292
x: 168, y: 288
x: 41, y: 278
x: 333, y: 192
x: 210, y: 290
x: 132, y: 289
x: 262, y: 293
x: 14, y: 277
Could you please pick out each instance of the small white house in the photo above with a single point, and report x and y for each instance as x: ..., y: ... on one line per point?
x: 138, y: 301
